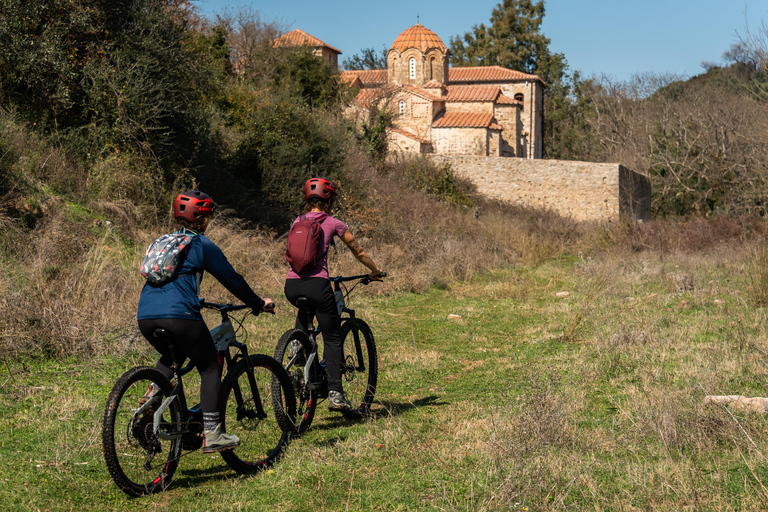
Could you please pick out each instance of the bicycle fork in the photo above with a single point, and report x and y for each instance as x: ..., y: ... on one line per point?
x: 243, y: 411
x: 360, y: 367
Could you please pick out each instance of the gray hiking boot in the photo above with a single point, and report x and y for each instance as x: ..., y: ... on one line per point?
x: 218, y: 441
x: 338, y: 402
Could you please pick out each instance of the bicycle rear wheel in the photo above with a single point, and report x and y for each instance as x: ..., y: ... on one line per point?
x: 137, y: 460
x: 263, y: 440
x: 359, y: 371
x: 292, y: 352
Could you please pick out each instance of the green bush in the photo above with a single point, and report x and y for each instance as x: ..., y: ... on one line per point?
x: 438, y: 180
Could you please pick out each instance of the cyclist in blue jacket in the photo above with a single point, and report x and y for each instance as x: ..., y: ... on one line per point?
x: 175, y: 307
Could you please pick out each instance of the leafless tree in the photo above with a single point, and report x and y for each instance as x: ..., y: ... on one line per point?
x: 250, y: 39
x: 703, y: 144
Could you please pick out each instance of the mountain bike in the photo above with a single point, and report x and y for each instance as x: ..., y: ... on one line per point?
x: 147, y: 425
x: 297, y: 351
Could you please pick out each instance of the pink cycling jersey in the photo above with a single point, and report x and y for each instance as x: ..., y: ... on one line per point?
x: 331, y: 227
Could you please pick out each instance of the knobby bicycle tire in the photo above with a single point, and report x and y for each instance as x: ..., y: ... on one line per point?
x: 359, y: 375
x: 135, y: 457
x: 262, y: 440
x: 306, y: 398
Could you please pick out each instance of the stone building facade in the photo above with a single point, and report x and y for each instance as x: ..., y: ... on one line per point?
x: 483, y: 111
x: 469, y: 117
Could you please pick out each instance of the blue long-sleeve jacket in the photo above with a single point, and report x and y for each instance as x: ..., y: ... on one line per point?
x: 179, y: 298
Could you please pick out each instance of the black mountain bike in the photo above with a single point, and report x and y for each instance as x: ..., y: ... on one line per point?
x: 147, y: 425
x: 297, y: 350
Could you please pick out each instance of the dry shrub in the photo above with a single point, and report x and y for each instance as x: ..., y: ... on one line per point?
x: 71, y: 287
x: 531, y: 441
x: 424, y: 240
x: 677, y: 422
x: 253, y: 253
x: 757, y: 275
x: 689, y: 234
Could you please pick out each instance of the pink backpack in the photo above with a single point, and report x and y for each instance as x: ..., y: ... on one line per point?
x: 304, y: 244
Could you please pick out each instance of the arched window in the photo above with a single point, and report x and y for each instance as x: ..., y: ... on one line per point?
x: 401, y: 109
x: 431, y: 69
x: 412, y: 68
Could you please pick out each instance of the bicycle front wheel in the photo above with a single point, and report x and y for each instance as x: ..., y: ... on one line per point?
x: 262, y: 417
x: 138, y: 461
x: 359, y: 371
x: 292, y: 352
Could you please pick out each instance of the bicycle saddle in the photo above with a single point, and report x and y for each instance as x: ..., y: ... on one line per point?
x: 304, y: 303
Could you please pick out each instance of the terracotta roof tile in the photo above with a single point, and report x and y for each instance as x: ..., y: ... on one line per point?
x: 352, y: 81
x: 366, y: 97
x: 506, y: 100
x: 409, y: 135
x: 419, y: 37
x: 369, y: 77
x: 420, y: 92
x: 434, y: 84
x: 472, y: 93
x: 300, y: 38
x: 464, y: 120
x: 487, y: 74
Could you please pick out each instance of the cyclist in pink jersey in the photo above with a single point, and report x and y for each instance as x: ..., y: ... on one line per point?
x: 314, y: 284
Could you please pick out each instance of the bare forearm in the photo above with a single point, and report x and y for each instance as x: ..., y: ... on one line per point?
x: 362, y: 256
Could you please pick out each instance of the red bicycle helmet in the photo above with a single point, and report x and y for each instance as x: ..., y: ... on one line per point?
x: 193, y: 206
x: 320, y: 189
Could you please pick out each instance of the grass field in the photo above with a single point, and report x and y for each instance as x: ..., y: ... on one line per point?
x: 574, y: 384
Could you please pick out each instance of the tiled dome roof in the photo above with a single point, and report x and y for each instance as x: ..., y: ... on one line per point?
x: 418, y: 37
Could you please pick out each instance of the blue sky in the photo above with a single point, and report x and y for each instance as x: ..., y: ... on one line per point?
x: 614, y: 37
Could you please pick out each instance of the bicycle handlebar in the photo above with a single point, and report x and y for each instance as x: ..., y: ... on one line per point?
x: 224, y: 308
x: 366, y: 278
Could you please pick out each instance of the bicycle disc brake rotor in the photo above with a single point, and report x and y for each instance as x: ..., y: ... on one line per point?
x: 349, y: 369
x: 247, y: 417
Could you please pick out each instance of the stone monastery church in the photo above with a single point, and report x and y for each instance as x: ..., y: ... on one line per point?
x: 482, y: 111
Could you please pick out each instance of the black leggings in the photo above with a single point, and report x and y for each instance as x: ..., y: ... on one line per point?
x: 193, y: 341
x: 318, y: 290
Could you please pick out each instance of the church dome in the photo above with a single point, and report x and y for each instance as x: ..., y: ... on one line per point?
x: 418, y: 37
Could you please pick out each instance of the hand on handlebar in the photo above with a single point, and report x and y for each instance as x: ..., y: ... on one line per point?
x: 377, y: 276
x: 269, y: 306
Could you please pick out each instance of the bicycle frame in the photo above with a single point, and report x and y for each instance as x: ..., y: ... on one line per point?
x: 364, y: 279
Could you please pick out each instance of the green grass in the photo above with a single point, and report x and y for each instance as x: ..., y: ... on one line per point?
x: 528, y: 400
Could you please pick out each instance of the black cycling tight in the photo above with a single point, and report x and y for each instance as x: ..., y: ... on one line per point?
x: 318, y: 290
x: 193, y: 341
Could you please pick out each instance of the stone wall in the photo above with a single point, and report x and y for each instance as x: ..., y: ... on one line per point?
x: 581, y: 190
x: 460, y: 141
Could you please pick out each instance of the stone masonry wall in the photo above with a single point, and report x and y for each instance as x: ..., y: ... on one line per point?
x: 582, y: 190
x: 460, y: 141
